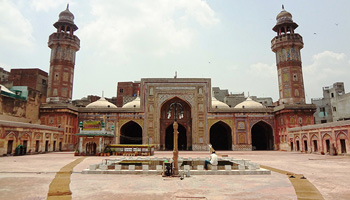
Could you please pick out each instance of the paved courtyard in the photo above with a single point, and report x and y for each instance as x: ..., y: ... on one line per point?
x: 29, y: 177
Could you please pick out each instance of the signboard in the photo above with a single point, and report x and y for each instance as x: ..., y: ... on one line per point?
x: 91, y: 125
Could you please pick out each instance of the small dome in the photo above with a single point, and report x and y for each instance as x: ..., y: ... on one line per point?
x: 284, y: 18
x: 133, y: 104
x: 284, y: 15
x: 66, y: 16
x: 101, y: 103
x: 249, y: 103
x: 218, y: 104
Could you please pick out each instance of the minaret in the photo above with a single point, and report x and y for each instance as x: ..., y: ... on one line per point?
x: 63, y: 44
x: 287, y: 46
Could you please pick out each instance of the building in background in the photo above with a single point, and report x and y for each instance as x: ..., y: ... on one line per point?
x: 35, y: 79
x: 233, y: 99
x: 334, y: 106
x: 126, y: 92
x: 3, y: 76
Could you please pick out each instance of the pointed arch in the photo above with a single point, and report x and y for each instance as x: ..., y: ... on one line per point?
x: 11, y: 135
x: 167, y: 119
x: 221, y: 136
x: 326, y: 142
x: 261, y: 120
x: 131, y: 133
x: 341, y: 133
x: 305, y: 140
x: 25, y: 135
x: 262, y: 136
x: 314, y: 142
x: 11, y: 142
x: 342, y: 142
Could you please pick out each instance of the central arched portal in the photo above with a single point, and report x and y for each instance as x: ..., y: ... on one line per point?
x: 131, y: 133
x: 220, y: 136
x: 262, y: 136
x: 166, y: 125
x: 181, y: 139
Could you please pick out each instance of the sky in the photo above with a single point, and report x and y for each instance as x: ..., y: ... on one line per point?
x: 227, y: 41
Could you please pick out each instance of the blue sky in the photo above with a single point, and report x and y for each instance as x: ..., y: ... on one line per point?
x: 227, y: 41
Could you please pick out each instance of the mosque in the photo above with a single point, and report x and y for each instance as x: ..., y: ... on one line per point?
x: 148, y: 118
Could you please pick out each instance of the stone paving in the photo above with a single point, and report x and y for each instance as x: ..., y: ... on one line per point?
x: 29, y: 177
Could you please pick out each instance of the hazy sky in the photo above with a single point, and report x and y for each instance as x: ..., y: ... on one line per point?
x: 227, y: 41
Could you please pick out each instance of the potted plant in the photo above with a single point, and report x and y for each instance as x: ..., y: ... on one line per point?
x: 76, y: 152
x: 107, y: 152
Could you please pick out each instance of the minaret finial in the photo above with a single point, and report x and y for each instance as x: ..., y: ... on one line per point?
x: 67, y: 6
x: 102, y: 93
x: 282, y: 7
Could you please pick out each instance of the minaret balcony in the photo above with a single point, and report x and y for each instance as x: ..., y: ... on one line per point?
x: 285, y: 40
x: 64, y: 39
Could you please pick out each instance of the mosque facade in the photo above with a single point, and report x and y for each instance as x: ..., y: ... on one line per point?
x: 148, y: 119
x: 205, y: 120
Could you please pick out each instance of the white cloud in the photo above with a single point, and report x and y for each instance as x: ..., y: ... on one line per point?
x: 46, y: 5
x: 327, y: 65
x: 15, y: 30
x: 262, y: 69
x: 327, y: 68
x: 153, y: 28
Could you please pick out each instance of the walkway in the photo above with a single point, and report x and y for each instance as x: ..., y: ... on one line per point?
x: 29, y: 177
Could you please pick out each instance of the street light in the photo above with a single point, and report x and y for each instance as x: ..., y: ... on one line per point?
x: 177, y: 107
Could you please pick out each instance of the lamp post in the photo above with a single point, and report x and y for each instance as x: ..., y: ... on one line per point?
x: 177, y: 107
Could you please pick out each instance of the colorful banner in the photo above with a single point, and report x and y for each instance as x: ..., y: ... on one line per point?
x: 91, y: 125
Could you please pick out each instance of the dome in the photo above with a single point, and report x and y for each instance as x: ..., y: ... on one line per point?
x: 284, y: 15
x: 218, y: 104
x: 133, y: 104
x: 101, y: 103
x: 284, y: 18
x: 66, y: 16
x: 249, y: 103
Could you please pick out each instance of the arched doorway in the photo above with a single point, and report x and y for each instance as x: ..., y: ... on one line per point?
x: 90, y: 148
x: 166, y: 126
x: 220, y: 136
x: 181, y: 139
x: 262, y: 136
x: 131, y: 133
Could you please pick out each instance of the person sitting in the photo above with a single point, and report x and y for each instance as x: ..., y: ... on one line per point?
x: 213, y: 160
